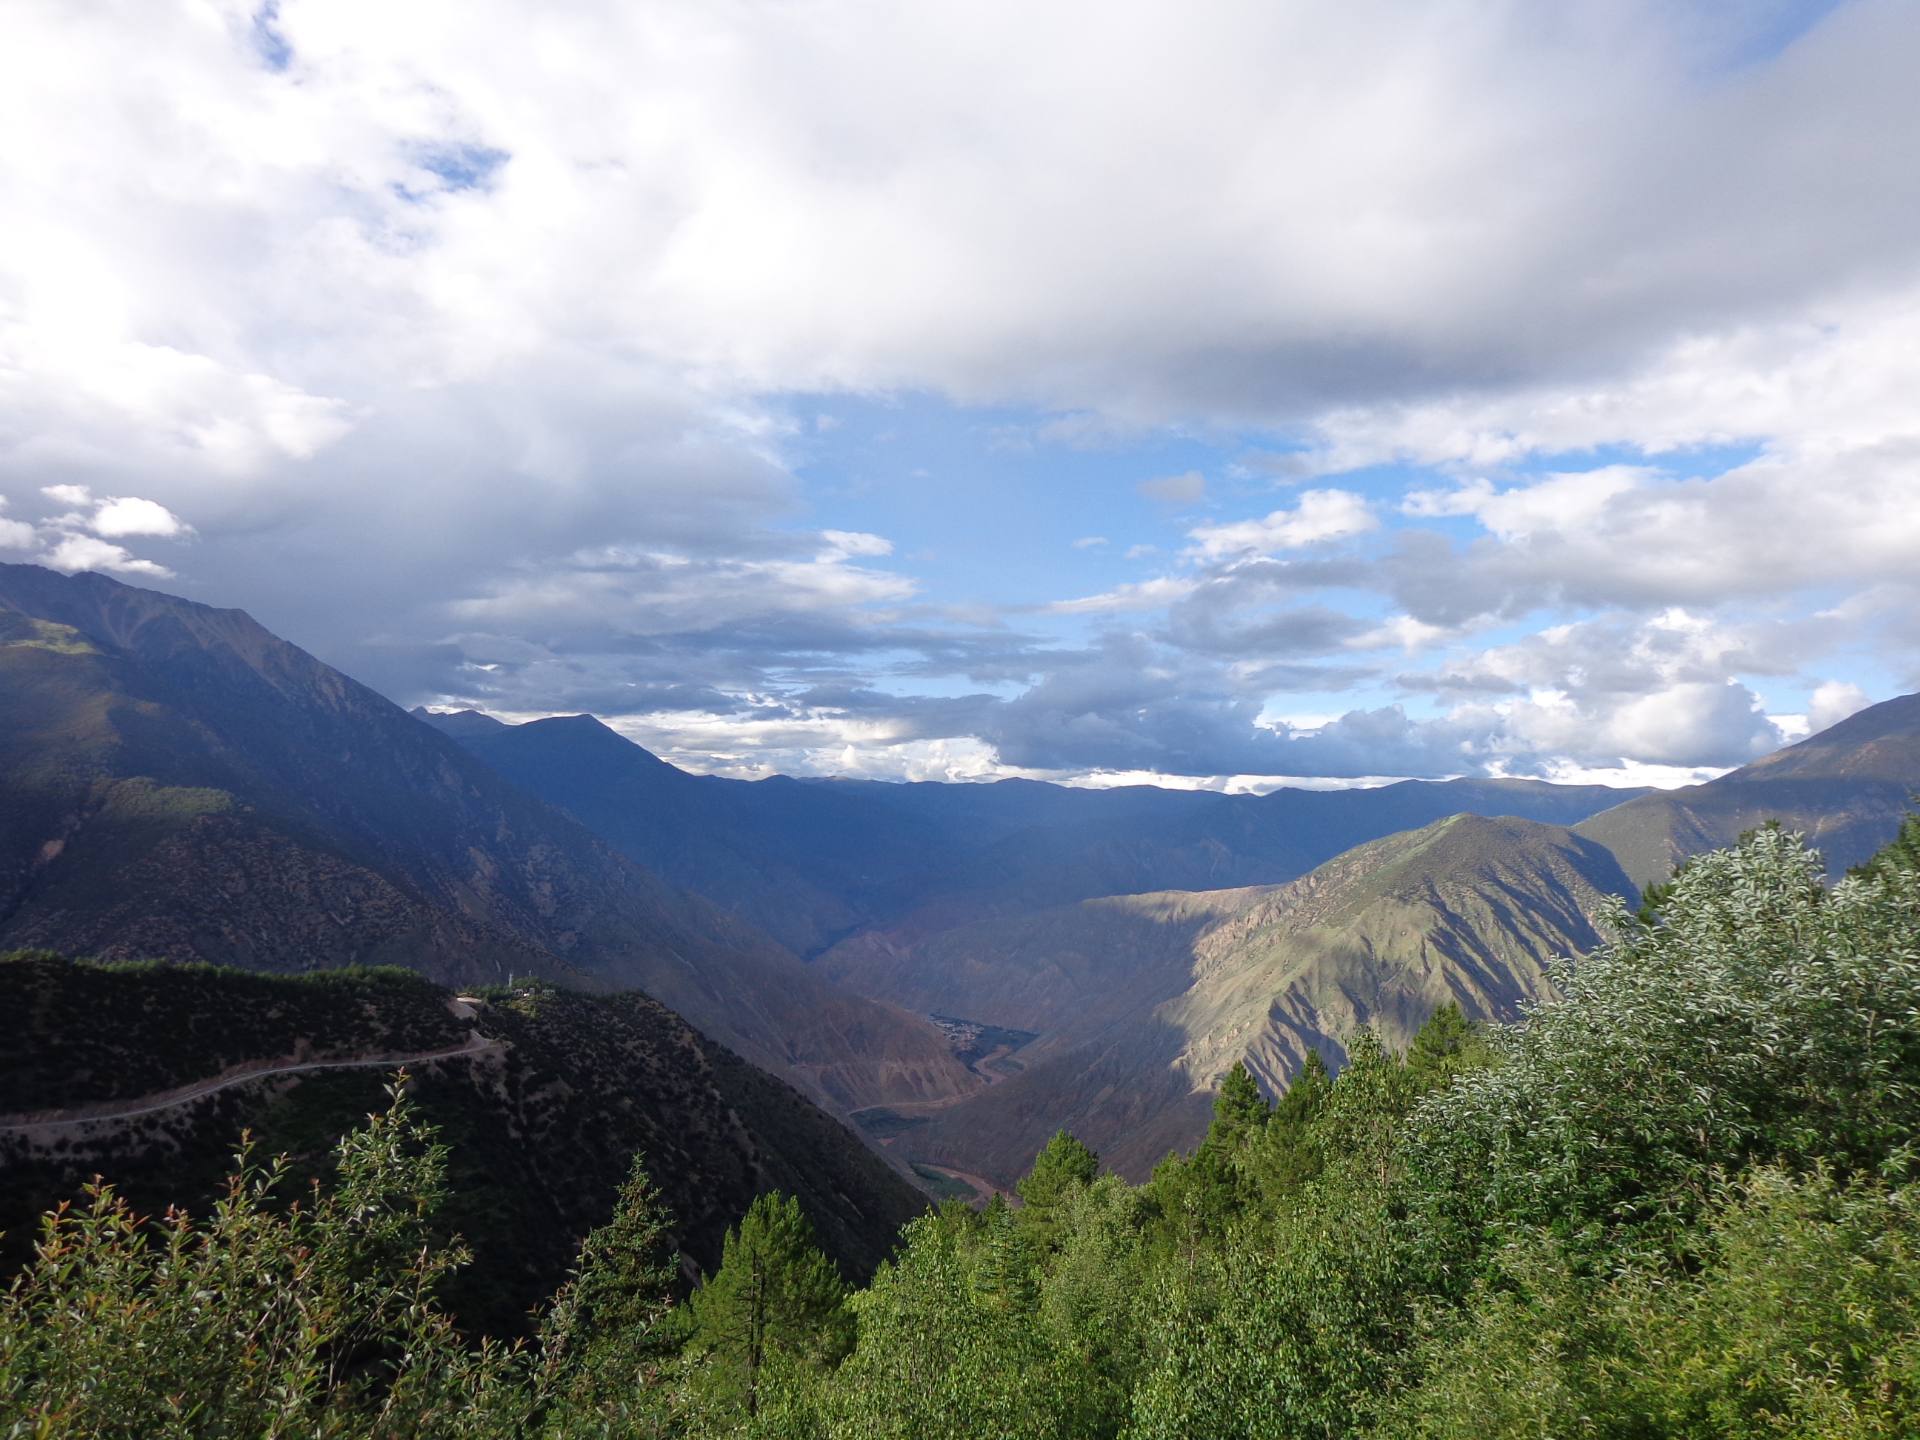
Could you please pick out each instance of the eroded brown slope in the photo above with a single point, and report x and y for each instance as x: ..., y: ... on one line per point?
x: 1157, y: 996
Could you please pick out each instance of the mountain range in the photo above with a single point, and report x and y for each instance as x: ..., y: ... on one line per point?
x: 1846, y: 789
x: 960, y: 968
x: 1142, y: 1003
x: 177, y: 783
x: 813, y: 862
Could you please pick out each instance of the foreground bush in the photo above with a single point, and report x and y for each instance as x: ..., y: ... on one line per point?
x: 274, y: 1316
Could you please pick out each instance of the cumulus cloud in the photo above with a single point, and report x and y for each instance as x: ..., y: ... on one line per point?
x: 15, y: 534
x: 126, y: 515
x: 1556, y: 505
x: 80, y: 537
x: 1832, y: 702
x: 1319, y: 516
x: 525, y: 327
x: 84, y: 552
x: 1774, y: 525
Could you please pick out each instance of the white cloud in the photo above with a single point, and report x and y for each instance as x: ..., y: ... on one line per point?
x: 1090, y: 542
x: 1402, y: 631
x: 1139, y: 595
x: 1832, y: 702
x: 1778, y: 525
x: 637, y: 591
x: 843, y: 543
x: 463, y: 304
x: 126, y: 515
x: 84, y: 552
x: 1568, y: 502
x: 1828, y: 379
x: 1320, y: 515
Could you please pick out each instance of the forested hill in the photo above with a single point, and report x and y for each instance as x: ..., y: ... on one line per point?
x: 543, y: 1096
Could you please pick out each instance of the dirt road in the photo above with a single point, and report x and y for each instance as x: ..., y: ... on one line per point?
x: 475, y: 1044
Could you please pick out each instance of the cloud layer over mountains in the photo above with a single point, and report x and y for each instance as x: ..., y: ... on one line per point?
x: 1483, y: 388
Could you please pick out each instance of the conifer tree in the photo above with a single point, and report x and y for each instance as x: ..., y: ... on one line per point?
x: 609, y: 1336
x: 775, y: 1303
x: 1004, y: 1279
x: 1240, y: 1106
x: 1900, y: 853
x: 1447, y: 1044
x: 1064, y: 1164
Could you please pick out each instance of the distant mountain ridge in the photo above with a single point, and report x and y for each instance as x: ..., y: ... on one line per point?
x: 815, y: 863
x: 177, y: 782
x: 1847, y: 789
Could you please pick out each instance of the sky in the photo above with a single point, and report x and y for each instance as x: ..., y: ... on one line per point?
x: 1226, y: 395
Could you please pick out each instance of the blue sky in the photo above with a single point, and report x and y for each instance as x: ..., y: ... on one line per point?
x: 1319, y: 392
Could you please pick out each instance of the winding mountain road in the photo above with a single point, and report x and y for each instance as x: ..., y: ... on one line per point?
x: 475, y: 1044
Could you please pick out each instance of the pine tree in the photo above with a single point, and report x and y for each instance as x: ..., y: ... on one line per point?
x: 775, y: 1302
x: 1447, y: 1044
x: 1287, y: 1153
x: 1004, y: 1278
x: 1900, y: 853
x: 1065, y: 1163
x: 609, y: 1335
x: 1240, y: 1107
x: 1303, y: 1098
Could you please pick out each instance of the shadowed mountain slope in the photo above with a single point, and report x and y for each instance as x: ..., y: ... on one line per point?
x: 788, y: 856
x: 1846, y: 789
x: 176, y: 782
x: 814, y: 862
x: 553, y: 1093
x: 1143, y: 1002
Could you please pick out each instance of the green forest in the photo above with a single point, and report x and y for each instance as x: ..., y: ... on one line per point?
x: 1683, y: 1200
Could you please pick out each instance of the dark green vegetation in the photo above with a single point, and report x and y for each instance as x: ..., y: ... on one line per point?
x: 553, y: 1091
x: 176, y: 783
x: 1681, y: 1201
